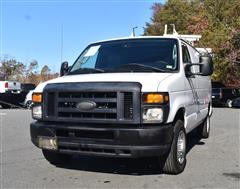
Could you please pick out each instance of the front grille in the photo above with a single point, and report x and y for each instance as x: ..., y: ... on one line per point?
x: 112, y: 102
x: 88, y: 95
x: 106, y: 105
x: 128, y: 105
x: 51, y: 104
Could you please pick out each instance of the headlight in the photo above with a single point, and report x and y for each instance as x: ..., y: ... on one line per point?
x: 155, y: 107
x: 37, y: 112
x: 153, y: 114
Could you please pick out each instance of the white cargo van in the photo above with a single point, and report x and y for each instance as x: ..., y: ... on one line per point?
x: 130, y: 97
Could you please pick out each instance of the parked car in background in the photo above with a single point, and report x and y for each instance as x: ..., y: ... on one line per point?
x: 13, y: 94
x: 26, y: 87
x: 235, y: 103
x: 10, y: 87
x: 9, y: 93
x: 28, y: 100
x: 222, y: 95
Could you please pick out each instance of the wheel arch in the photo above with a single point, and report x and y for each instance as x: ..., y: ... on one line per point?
x: 180, y: 114
x: 210, y: 109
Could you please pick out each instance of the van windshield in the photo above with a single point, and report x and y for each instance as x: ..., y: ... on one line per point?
x: 138, y: 55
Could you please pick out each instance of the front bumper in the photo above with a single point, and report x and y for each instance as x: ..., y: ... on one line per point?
x: 108, y: 141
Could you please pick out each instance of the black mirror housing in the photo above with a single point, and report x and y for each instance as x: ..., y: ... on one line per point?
x: 206, y: 65
x: 64, y: 68
x: 187, y: 68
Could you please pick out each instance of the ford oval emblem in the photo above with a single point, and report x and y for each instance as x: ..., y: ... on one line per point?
x: 86, y: 105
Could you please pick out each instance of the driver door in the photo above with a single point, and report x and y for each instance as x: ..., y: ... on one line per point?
x: 191, y: 108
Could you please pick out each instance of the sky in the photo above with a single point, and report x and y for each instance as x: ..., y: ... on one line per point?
x: 33, y: 29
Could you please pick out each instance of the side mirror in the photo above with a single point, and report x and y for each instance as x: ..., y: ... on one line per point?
x: 187, y: 68
x: 64, y: 68
x: 206, y: 65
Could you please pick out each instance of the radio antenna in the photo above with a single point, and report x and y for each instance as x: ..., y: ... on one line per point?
x: 61, y: 42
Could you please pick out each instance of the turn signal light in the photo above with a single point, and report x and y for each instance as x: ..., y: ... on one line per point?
x: 37, y: 97
x: 151, y: 98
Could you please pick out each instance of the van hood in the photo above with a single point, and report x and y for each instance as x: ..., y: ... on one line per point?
x: 149, y: 81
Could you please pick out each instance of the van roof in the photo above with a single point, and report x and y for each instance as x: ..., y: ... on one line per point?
x: 139, y: 37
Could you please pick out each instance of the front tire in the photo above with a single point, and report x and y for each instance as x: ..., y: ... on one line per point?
x: 56, y: 158
x: 204, y: 128
x: 175, y: 161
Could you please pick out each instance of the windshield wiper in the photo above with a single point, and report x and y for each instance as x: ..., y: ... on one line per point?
x: 132, y: 67
x: 86, y: 70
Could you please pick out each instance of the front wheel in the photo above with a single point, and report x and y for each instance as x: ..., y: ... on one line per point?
x: 204, y: 128
x: 175, y: 161
x: 29, y: 104
x: 56, y: 158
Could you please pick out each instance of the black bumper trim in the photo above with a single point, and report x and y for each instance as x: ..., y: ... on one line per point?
x: 141, y: 141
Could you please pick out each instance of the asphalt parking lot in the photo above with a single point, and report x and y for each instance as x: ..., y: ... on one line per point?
x: 211, y: 163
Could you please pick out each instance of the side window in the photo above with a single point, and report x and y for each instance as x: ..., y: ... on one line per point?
x: 194, y: 54
x: 185, y: 54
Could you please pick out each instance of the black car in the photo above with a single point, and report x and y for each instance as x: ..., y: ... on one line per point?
x: 26, y: 87
x: 222, y: 95
x: 236, y: 103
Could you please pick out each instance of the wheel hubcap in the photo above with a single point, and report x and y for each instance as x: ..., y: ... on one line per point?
x: 230, y: 104
x: 29, y: 104
x: 181, y: 147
